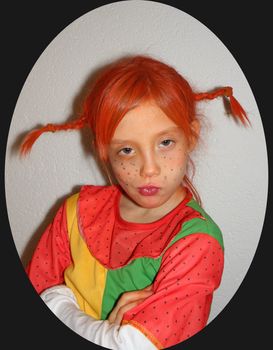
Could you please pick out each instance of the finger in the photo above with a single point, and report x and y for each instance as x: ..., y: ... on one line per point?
x: 135, y: 295
x: 126, y: 308
x: 129, y: 297
x: 150, y: 287
x: 111, y: 318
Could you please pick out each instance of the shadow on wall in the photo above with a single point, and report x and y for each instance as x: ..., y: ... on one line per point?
x: 86, y: 142
x: 30, y: 247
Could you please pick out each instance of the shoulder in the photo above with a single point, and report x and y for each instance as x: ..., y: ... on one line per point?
x: 195, y: 259
x: 203, y: 224
x: 94, y: 192
x: 192, y: 249
x: 90, y: 196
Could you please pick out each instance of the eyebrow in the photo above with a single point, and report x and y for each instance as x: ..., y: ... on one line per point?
x: 166, y: 131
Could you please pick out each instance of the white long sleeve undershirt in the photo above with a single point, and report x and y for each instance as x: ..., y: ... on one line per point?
x: 62, y: 302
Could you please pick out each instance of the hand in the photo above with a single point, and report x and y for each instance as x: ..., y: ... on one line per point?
x: 127, y: 301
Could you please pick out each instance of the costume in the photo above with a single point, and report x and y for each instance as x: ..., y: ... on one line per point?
x: 99, y: 256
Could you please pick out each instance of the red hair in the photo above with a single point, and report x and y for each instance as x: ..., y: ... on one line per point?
x: 129, y: 82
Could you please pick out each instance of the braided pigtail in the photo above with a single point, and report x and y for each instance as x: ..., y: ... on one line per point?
x: 237, y: 110
x: 31, y: 137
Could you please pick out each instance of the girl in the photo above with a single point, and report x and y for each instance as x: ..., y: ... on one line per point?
x: 134, y: 263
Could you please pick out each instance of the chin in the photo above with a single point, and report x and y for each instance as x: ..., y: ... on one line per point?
x: 149, y: 202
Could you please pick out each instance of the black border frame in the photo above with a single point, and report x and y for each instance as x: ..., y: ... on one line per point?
x: 28, y: 29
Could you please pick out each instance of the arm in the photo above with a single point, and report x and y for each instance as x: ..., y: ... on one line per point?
x: 52, y: 254
x: 62, y: 302
x: 190, y: 271
x: 179, y: 307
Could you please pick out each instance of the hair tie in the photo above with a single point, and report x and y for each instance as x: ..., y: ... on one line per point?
x: 237, y: 110
x: 228, y: 91
x: 50, y: 128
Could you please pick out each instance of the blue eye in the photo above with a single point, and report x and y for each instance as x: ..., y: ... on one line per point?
x: 125, y: 150
x: 167, y: 143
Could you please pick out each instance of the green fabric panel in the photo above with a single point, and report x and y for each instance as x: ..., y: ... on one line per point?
x: 137, y: 275
x: 198, y: 225
x: 142, y: 271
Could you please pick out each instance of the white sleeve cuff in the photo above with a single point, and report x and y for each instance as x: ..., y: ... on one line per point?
x: 62, y: 302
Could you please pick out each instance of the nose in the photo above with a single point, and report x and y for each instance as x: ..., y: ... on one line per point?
x: 150, y: 167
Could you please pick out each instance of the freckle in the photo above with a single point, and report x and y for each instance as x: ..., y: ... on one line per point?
x: 171, y: 169
x: 123, y: 168
x: 128, y: 173
x: 165, y: 177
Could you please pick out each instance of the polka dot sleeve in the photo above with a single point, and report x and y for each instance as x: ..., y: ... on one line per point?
x: 191, y: 269
x: 52, y: 254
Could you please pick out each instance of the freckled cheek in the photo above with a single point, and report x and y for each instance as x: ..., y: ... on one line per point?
x: 125, y: 172
x: 173, y: 166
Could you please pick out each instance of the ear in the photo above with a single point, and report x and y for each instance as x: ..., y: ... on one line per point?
x: 195, y: 127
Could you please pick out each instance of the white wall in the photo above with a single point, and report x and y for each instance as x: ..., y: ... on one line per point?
x: 231, y: 161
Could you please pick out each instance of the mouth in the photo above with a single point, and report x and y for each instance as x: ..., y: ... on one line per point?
x: 148, y: 190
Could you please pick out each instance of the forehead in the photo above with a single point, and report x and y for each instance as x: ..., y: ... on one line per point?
x: 145, y: 119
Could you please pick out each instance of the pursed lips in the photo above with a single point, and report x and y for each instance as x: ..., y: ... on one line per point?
x: 148, y: 190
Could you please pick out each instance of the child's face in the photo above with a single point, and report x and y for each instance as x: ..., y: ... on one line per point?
x: 147, y: 149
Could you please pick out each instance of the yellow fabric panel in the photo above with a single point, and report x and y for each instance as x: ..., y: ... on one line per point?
x: 85, y: 276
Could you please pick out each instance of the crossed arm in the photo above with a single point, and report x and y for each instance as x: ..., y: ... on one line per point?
x: 62, y: 302
x: 176, y: 308
x: 173, y: 309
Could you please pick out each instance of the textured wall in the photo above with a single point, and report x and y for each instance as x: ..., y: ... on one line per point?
x: 231, y: 162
